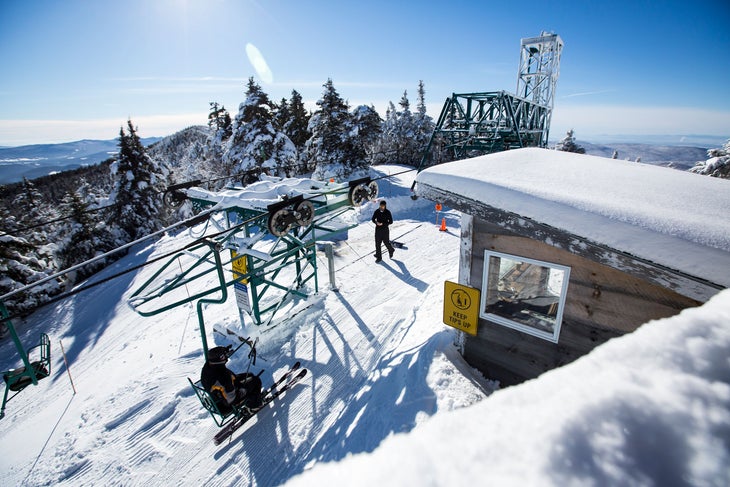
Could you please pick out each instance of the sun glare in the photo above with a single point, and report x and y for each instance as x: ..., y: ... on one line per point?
x: 259, y: 64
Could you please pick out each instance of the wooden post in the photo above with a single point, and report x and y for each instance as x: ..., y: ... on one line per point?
x: 63, y: 352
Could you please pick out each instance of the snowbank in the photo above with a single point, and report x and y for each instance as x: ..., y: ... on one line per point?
x: 649, y: 408
x: 670, y: 217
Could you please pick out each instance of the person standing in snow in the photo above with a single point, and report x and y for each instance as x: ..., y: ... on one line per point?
x: 382, y: 219
x: 227, y: 387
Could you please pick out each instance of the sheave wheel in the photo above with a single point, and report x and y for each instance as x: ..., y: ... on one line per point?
x: 304, y: 213
x: 281, y: 222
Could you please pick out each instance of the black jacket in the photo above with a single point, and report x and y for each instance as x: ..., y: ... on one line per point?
x: 383, y: 217
x: 218, y: 378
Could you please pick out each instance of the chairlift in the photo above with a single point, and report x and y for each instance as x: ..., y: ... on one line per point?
x: 32, y: 370
x: 219, y: 409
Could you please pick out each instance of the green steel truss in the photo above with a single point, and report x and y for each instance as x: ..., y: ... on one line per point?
x: 472, y: 124
x: 271, y: 251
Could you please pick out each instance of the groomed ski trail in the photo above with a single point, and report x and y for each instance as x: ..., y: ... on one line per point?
x: 356, y: 343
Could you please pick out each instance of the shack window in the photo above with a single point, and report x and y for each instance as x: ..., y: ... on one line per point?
x: 525, y: 294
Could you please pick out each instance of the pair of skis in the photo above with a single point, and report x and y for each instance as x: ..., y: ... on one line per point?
x: 284, y: 383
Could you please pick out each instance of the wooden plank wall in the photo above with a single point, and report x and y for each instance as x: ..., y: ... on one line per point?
x: 601, y: 303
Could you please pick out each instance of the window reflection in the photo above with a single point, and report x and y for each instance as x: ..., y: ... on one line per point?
x: 525, y: 294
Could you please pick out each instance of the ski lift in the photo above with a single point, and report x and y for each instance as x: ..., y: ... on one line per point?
x: 32, y: 371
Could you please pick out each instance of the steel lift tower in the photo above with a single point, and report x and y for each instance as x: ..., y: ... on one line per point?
x: 538, y: 73
x: 472, y: 124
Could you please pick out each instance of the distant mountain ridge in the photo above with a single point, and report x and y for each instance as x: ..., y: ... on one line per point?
x: 679, y: 157
x: 33, y: 161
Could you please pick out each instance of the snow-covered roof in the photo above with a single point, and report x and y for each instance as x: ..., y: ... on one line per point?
x: 673, y: 218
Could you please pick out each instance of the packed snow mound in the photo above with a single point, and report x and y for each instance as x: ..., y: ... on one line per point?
x: 649, y: 408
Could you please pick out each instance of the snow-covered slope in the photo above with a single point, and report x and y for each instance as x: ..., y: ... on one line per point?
x: 385, y: 381
x: 380, y: 363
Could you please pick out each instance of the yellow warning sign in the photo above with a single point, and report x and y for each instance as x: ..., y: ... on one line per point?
x: 240, y: 288
x: 239, y: 266
x: 461, y: 307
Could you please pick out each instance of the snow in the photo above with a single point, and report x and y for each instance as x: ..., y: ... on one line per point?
x: 388, y: 399
x: 650, y: 408
x: 667, y: 216
x: 259, y: 195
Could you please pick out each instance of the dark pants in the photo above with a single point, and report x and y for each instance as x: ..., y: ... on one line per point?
x: 382, y: 236
x: 252, y: 386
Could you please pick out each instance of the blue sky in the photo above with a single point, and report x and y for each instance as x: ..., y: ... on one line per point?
x: 77, y: 69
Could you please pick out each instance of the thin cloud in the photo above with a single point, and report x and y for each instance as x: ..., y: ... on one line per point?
x: 409, y: 85
x: 588, y: 93
x: 174, y: 79
x: 597, y: 119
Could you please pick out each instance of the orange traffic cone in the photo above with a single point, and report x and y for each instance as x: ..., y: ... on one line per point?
x: 443, y: 225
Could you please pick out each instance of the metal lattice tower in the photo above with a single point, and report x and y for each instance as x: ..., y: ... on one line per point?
x: 472, y: 124
x: 538, y: 73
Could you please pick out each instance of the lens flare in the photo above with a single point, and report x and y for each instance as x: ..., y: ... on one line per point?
x: 259, y: 64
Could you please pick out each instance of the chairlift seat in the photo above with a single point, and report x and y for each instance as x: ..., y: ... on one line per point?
x: 215, y: 404
x: 18, y: 379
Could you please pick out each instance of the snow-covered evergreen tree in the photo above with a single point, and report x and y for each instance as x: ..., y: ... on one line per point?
x: 718, y: 164
x: 35, y: 213
x: 297, y: 128
x: 333, y: 148
x: 282, y: 114
x: 568, y: 144
x: 22, y: 263
x: 256, y: 145
x: 424, y: 123
x: 28, y: 250
x: 139, y: 185
x: 401, y: 134
x: 210, y: 157
x: 84, y: 236
x: 385, y: 149
x: 219, y: 121
x: 368, y: 125
x: 405, y: 134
